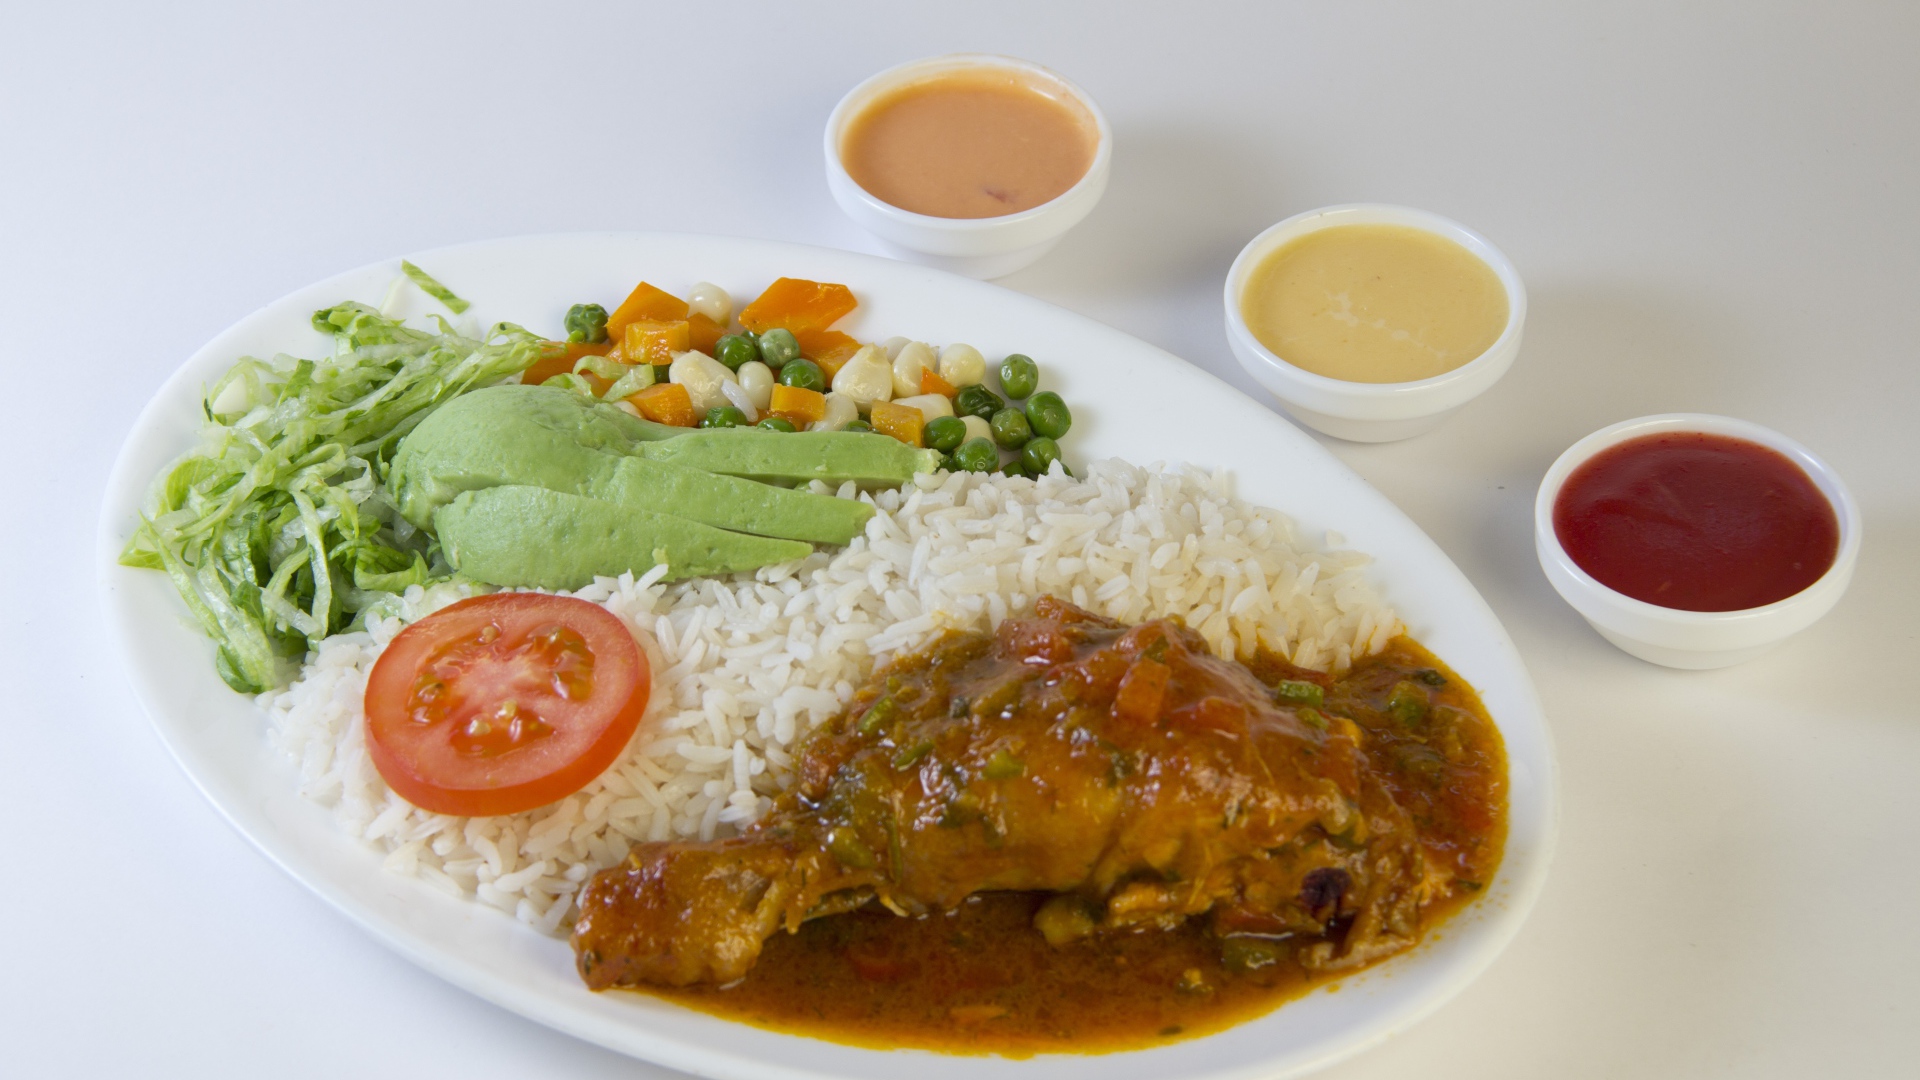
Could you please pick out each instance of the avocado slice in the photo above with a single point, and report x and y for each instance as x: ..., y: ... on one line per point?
x: 516, y: 535
x: 553, y: 438
x: 796, y: 457
x: 508, y: 434
x: 729, y: 502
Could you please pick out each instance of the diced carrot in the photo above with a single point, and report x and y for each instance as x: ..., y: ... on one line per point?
x: 903, y: 422
x: 817, y: 343
x: 599, y: 385
x: 665, y: 403
x: 1142, y: 689
x: 1039, y: 641
x: 646, y: 341
x: 798, y: 404
x: 1214, y: 714
x: 932, y: 383
x: 645, y: 302
x: 831, y: 349
x: 703, y: 333
x: 559, y: 357
x: 797, y: 304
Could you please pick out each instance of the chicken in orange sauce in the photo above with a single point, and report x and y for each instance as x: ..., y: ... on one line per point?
x: 1073, y: 835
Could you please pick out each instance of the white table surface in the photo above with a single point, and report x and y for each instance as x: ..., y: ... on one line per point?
x: 1714, y: 209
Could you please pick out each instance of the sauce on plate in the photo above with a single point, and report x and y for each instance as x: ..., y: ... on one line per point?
x: 1696, y: 522
x: 1374, y: 303
x: 976, y: 143
x: 982, y: 980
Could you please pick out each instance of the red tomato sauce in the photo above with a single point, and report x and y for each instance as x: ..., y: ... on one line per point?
x: 1696, y: 522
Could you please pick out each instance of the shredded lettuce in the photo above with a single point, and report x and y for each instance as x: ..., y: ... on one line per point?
x: 278, y: 531
x: 433, y: 288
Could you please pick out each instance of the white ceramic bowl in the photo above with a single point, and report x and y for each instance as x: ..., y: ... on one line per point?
x: 1693, y: 639
x: 1372, y: 412
x: 977, y: 247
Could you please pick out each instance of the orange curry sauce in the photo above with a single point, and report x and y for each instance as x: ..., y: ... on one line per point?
x: 981, y: 980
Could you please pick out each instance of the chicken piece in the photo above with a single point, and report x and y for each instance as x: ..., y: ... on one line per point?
x: 1126, y: 769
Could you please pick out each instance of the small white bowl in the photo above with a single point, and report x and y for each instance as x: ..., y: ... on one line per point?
x: 976, y: 247
x: 1372, y: 412
x: 1693, y: 639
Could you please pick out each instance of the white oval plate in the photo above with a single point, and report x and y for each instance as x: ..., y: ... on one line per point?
x: 1130, y: 400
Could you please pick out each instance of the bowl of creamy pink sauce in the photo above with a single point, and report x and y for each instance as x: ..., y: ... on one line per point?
x: 971, y: 163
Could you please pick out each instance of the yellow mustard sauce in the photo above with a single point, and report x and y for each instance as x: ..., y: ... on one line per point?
x: 1374, y: 303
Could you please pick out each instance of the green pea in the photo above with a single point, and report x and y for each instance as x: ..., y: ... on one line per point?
x: 977, y: 401
x: 1039, y: 455
x: 735, y: 349
x: 1010, y: 428
x: 858, y: 426
x: 1407, y: 704
x: 1048, y: 415
x: 1013, y: 467
x: 776, y: 423
x: 1299, y: 692
x: 724, y: 416
x: 586, y: 322
x: 845, y: 845
x: 1003, y: 766
x: 1066, y: 919
x: 977, y: 455
x: 1019, y: 375
x: 1242, y: 953
x: 778, y: 347
x: 804, y: 374
x: 945, y: 432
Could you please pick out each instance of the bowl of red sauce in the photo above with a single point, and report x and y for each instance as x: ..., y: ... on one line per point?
x: 1695, y: 541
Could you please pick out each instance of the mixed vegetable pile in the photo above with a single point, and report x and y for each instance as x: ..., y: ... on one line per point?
x: 282, y: 530
x: 785, y: 368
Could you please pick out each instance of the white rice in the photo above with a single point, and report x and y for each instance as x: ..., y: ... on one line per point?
x: 746, y: 666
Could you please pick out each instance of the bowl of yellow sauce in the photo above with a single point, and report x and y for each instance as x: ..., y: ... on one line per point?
x: 976, y: 164
x: 1372, y: 322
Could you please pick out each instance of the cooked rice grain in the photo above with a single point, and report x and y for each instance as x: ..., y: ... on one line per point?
x: 744, y: 667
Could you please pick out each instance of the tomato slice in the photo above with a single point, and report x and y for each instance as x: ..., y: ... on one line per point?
x: 504, y: 703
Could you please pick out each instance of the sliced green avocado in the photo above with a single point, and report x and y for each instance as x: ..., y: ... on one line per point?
x: 529, y: 536
x: 729, y: 502
x: 795, y: 457
x: 509, y: 434
x: 553, y: 438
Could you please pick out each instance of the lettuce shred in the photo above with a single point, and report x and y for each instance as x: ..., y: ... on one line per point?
x: 278, y: 531
x: 432, y: 287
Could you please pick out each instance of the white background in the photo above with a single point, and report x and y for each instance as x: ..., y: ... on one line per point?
x: 1715, y: 208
